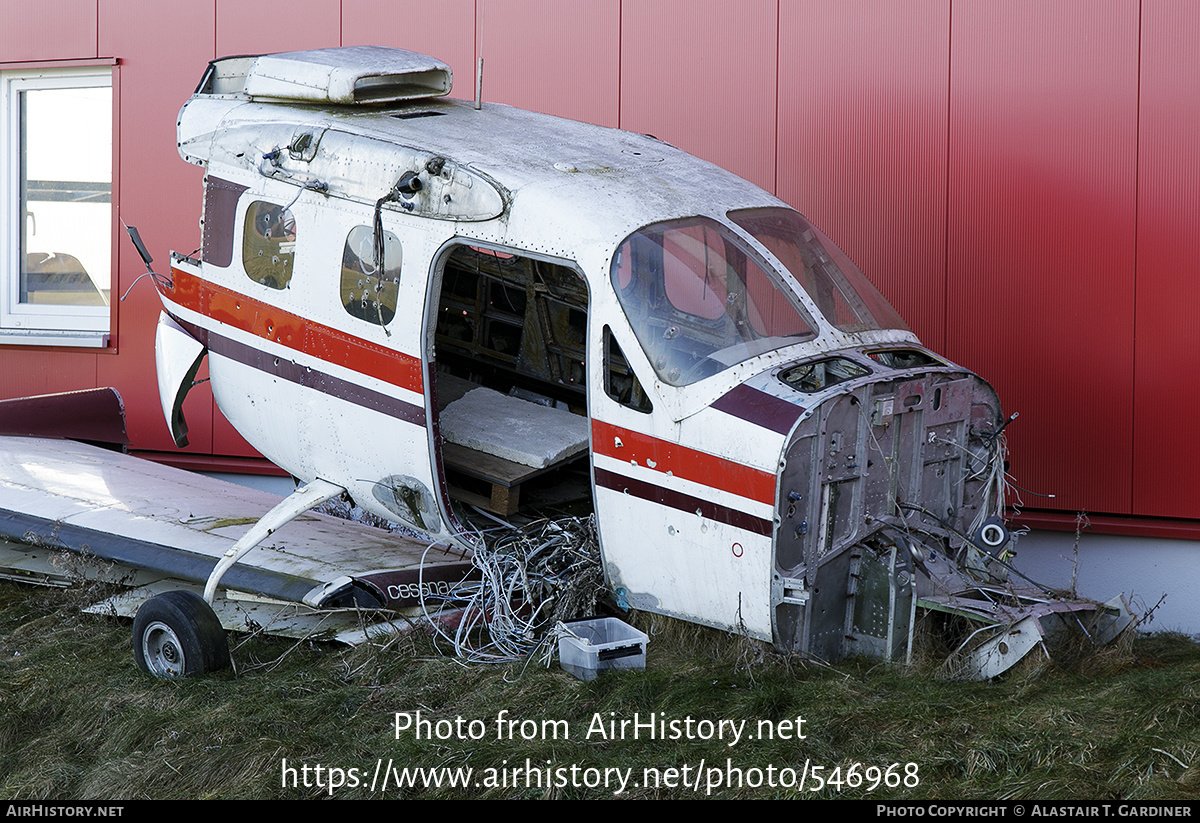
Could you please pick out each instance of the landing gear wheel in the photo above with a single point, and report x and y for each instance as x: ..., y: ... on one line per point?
x: 177, y: 634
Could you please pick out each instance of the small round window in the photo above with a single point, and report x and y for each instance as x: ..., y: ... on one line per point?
x: 269, y: 244
x: 367, y: 292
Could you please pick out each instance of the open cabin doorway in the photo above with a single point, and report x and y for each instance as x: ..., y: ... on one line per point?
x: 509, y: 346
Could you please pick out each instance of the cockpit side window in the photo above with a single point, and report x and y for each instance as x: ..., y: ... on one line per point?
x: 620, y: 383
x: 269, y: 244
x: 220, y: 207
x: 699, y: 300
x: 369, y: 290
x: 841, y: 291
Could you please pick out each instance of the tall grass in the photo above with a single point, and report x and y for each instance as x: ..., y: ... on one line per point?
x: 78, y: 720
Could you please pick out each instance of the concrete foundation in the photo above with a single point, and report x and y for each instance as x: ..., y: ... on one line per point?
x: 1147, y: 570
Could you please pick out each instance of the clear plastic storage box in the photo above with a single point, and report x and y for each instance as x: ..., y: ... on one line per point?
x: 593, y: 646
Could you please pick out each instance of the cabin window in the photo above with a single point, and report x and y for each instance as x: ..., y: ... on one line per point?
x: 841, y: 291
x: 620, y: 383
x: 269, y: 244
x: 369, y: 287
x: 699, y: 299
x: 56, y: 216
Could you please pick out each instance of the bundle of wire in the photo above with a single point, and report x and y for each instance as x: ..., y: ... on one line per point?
x: 988, y: 466
x: 530, y: 579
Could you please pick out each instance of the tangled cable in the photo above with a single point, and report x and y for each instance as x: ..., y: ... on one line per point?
x: 528, y: 580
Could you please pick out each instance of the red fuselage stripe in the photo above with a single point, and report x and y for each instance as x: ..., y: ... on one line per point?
x: 238, y: 311
x: 689, y: 464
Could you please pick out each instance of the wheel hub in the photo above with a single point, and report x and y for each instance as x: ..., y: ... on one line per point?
x: 163, y: 651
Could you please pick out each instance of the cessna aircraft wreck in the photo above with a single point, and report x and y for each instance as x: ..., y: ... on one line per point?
x: 410, y: 300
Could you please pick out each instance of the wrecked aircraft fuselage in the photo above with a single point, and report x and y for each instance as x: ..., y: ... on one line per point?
x: 767, y: 447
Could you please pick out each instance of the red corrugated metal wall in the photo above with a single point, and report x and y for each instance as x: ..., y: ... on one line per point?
x: 25, y: 36
x: 1041, y: 233
x: 863, y: 113
x: 1166, y: 454
x: 155, y: 191
x: 1021, y: 177
x: 701, y: 75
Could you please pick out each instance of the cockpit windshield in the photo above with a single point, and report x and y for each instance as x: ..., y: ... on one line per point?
x: 700, y: 300
x: 841, y: 291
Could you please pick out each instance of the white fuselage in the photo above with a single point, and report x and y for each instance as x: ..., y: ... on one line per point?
x: 338, y: 382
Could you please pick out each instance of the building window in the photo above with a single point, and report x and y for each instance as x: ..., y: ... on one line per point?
x: 55, y: 206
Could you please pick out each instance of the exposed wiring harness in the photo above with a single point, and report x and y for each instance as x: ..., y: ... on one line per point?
x: 530, y: 579
x: 989, y: 467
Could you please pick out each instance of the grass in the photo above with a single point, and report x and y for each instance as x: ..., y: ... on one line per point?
x: 78, y: 720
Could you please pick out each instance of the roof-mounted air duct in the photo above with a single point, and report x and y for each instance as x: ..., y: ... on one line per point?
x: 344, y: 76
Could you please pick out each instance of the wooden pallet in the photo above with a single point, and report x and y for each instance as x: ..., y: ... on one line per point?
x: 504, y: 477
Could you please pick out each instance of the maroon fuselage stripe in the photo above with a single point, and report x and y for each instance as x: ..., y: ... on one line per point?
x: 309, y: 377
x: 682, y: 502
x: 759, y: 408
x: 315, y: 379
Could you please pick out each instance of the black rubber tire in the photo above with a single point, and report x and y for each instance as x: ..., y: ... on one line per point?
x: 176, y: 634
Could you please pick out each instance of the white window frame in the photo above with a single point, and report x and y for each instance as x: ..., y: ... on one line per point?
x: 28, y: 323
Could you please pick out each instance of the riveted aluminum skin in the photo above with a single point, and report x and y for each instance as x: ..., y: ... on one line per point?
x: 806, y: 472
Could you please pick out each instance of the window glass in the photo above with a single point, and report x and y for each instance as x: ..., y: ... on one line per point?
x: 57, y: 210
x: 700, y: 301
x: 269, y: 244
x: 620, y: 383
x: 368, y: 293
x: 841, y: 291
